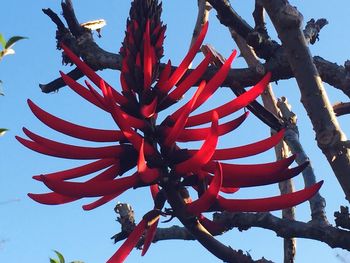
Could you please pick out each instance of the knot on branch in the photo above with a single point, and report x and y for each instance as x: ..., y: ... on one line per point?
x: 342, y: 218
x: 126, y: 219
x: 313, y: 28
x: 328, y: 137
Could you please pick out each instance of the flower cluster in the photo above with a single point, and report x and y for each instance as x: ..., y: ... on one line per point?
x: 150, y: 146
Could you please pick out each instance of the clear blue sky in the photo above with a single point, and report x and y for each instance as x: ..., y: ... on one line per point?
x: 30, y: 231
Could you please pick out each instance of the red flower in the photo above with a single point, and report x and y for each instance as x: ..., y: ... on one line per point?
x: 150, y: 146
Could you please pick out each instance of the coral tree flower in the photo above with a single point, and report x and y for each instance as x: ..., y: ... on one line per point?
x: 147, y: 149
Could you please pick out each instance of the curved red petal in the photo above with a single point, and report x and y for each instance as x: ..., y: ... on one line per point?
x: 129, y: 244
x: 94, y: 92
x: 154, y: 190
x: 151, y: 232
x: 123, y: 122
x: 99, y: 202
x: 232, y: 106
x: 91, y: 188
x: 182, y: 68
x: 182, y: 117
x: 74, y: 130
x: 77, y: 152
x: 228, y: 190
x: 249, y: 149
x: 79, y: 171
x: 233, y: 171
x: 209, y: 196
x: 164, y: 75
x: 149, y: 110
x: 201, y: 133
x: 264, y: 179
x: 82, y: 91
x: 114, y: 108
x: 147, y: 57
x: 91, y: 74
x: 190, y: 80
x: 204, y: 154
x: 51, y: 198
x: 215, y: 82
x: 270, y: 203
x: 146, y: 174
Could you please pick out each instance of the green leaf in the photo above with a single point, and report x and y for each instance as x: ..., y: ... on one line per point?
x: 3, y: 131
x: 60, y: 256
x: 77, y: 261
x: 53, y: 260
x: 2, y: 41
x: 13, y: 40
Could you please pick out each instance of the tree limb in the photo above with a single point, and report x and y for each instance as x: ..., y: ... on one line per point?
x: 287, y: 21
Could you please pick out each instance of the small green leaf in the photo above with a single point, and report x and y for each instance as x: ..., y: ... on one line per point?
x: 60, y: 257
x: 2, y: 41
x: 3, y: 131
x: 53, y: 260
x: 13, y: 40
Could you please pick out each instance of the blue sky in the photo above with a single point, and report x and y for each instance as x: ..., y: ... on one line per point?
x: 30, y: 231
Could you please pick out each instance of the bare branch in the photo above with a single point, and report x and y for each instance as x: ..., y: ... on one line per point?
x: 342, y: 218
x: 332, y: 236
x: 287, y: 21
x: 341, y: 108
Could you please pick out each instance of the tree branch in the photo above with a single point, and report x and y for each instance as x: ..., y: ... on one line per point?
x: 287, y: 21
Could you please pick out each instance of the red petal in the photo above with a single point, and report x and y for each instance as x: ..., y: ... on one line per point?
x: 209, y: 196
x: 147, y: 58
x: 204, y: 154
x: 232, y: 106
x: 149, y: 110
x: 75, y: 130
x: 154, y: 190
x: 132, y: 121
x: 201, y: 133
x: 72, y: 151
x: 51, y: 198
x: 249, y: 149
x: 229, y: 190
x: 264, y: 179
x: 147, y: 175
x: 94, y: 92
x: 180, y: 122
x: 91, y: 188
x: 190, y: 80
x: 99, y: 202
x: 233, y: 172
x: 82, y: 91
x: 91, y: 74
x: 270, y: 203
x: 129, y: 244
x: 164, y: 75
x: 214, y: 83
x: 151, y: 232
x: 79, y: 171
x: 123, y: 122
x: 182, y: 68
